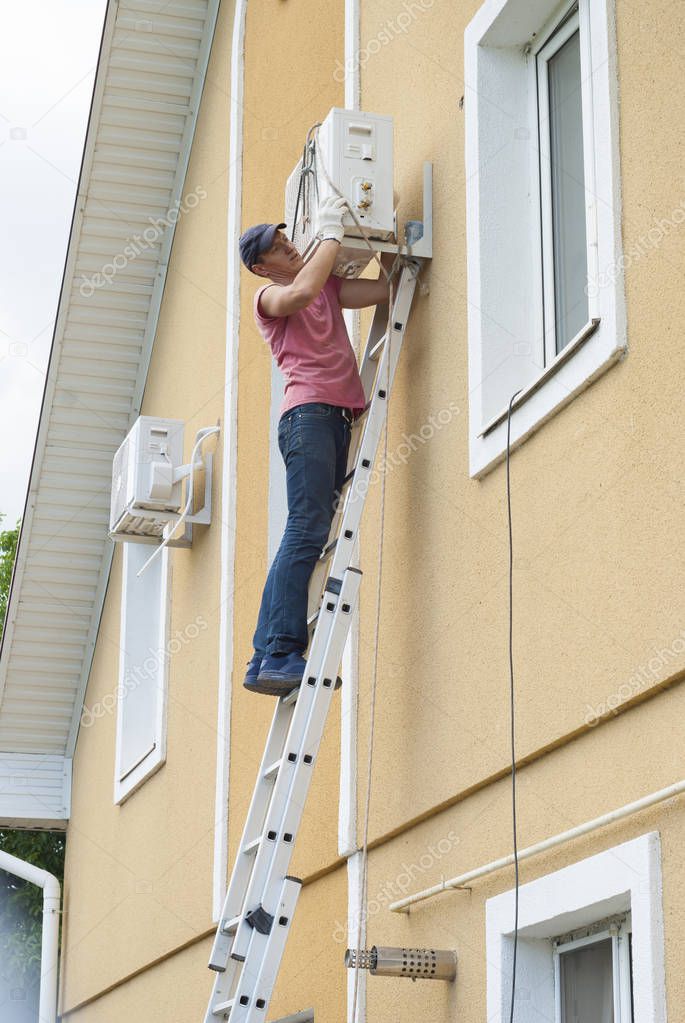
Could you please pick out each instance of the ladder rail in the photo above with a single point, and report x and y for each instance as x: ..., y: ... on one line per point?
x: 374, y: 369
x: 242, y: 870
x: 245, y: 988
x: 279, y: 839
x: 311, y: 740
x: 261, y: 896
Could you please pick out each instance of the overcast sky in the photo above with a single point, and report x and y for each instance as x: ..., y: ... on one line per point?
x: 48, y: 52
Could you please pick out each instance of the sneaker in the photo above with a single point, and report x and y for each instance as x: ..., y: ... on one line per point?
x: 253, y: 669
x: 280, y: 675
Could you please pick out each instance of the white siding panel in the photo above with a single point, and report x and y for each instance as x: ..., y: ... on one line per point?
x: 34, y: 790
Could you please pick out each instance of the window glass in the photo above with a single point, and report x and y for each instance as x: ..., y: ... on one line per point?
x: 568, y: 191
x: 587, y: 994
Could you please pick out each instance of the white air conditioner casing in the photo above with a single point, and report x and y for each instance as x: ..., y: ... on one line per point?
x: 356, y: 150
x: 144, y: 496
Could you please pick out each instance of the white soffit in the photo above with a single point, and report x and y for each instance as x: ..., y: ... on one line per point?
x: 151, y: 69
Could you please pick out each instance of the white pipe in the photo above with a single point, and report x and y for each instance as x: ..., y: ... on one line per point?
x: 199, y: 439
x: 354, y: 882
x: 347, y: 831
x: 348, y: 838
x: 347, y: 805
x: 229, y: 460
x: 47, y: 1006
x: 402, y: 905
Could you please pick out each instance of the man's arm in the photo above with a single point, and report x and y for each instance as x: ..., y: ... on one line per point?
x: 284, y: 300
x: 357, y: 294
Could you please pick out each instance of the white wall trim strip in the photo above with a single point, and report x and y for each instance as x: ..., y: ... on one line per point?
x: 354, y: 882
x: 349, y: 731
x: 229, y: 465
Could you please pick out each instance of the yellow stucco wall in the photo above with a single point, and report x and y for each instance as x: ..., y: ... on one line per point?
x: 274, y: 134
x: 597, y: 513
x: 138, y: 876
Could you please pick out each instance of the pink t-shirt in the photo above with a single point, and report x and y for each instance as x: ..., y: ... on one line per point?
x: 313, y: 351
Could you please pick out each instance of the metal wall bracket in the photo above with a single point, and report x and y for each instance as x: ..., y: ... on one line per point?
x: 419, y: 233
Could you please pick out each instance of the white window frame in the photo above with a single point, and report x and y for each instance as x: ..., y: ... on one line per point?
x: 625, y: 878
x: 505, y: 225
x: 548, y: 46
x: 617, y: 932
x: 155, y: 629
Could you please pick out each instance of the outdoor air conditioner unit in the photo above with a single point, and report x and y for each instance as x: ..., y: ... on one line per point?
x: 355, y: 150
x: 145, y: 496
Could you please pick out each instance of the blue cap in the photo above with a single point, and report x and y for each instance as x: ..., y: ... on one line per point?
x: 255, y: 241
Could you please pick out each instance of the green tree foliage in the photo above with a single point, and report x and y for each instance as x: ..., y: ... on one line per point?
x: 21, y: 903
x: 8, y: 551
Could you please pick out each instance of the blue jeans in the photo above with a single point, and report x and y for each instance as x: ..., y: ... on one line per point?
x: 314, y: 440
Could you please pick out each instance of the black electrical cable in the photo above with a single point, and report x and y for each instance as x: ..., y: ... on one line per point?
x: 307, y: 169
x: 300, y: 192
x: 511, y: 703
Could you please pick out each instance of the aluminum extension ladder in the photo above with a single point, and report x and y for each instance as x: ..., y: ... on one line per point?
x: 261, y: 896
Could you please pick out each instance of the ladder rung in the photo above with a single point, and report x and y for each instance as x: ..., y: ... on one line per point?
x: 328, y: 550
x: 252, y: 846
x: 362, y: 416
x: 219, y: 1008
x: 376, y: 350
x: 272, y: 769
x: 231, y: 926
x: 312, y: 618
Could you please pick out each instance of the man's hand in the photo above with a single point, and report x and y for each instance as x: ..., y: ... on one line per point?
x: 329, y: 218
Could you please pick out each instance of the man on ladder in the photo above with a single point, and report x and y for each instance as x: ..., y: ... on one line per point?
x: 262, y: 894
x: 299, y: 315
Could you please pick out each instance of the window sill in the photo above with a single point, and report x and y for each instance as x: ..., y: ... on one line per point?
x: 593, y: 351
x: 523, y: 395
x: 125, y: 787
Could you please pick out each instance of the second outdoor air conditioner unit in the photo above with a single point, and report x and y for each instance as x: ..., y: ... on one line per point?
x: 145, y: 496
x: 147, y: 504
x: 355, y: 150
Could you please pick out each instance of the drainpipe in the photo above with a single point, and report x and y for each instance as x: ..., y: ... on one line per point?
x: 347, y: 818
x: 47, y: 1010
